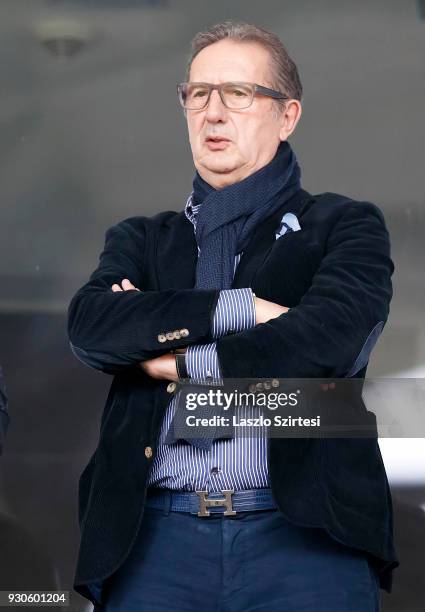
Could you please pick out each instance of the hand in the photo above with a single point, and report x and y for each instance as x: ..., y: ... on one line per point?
x: 162, y: 368
x: 126, y: 286
x: 326, y: 386
x: 265, y: 310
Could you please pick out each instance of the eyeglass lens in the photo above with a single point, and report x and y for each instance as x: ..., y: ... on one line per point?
x: 234, y: 95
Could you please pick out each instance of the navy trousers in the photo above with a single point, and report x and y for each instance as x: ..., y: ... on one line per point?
x: 253, y: 562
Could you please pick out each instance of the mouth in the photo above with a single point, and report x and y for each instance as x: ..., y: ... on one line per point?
x: 216, y: 142
x: 216, y: 138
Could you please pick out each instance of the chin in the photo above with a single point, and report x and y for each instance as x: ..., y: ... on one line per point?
x: 219, y: 161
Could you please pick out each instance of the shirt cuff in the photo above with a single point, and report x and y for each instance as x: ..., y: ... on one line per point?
x: 202, y: 361
x: 234, y: 312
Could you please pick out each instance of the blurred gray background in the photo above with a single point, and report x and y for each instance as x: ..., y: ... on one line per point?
x: 91, y: 133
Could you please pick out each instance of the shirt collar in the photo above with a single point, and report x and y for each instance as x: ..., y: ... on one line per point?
x: 191, y: 209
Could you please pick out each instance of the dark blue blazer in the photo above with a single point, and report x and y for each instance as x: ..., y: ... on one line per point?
x: 334, y: 274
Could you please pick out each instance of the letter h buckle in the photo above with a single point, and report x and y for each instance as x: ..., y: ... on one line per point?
x: 222, y: 501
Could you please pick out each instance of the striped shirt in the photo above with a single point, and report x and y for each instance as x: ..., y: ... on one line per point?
x: 238, y: 463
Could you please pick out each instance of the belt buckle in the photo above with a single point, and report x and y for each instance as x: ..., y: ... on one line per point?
x: 205, y: 502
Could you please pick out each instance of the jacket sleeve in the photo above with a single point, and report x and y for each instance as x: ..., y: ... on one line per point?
x: 328, y: 334
x: 112, y: 331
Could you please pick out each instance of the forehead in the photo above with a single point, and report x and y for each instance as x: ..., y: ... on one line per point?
x: 229, y: 60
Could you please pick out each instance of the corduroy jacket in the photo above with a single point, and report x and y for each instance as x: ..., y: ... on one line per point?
x: 335, y: 276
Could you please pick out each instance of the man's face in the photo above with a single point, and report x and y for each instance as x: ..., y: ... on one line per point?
x: 250, y: 136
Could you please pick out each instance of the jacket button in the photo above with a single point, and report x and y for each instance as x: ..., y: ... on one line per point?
x: 184, y: 332
x: 275, y: 382
x: 177, y: 335
x: 148, y: 452
x: 169, y: 335
x: 259, y: 386
x: 171, y: 387
x: 161, y: 338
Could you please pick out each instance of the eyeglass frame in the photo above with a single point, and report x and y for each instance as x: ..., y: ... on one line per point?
x: 265, y: 91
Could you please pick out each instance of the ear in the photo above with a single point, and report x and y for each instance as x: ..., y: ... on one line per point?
x: 289, y: 118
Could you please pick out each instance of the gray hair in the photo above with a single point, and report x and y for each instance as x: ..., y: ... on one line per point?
x: 284, y: 72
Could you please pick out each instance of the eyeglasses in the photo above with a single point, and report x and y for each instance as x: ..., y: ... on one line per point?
x: 195, y: 96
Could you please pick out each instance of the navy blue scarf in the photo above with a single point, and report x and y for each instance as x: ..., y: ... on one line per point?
x: 227, y: 218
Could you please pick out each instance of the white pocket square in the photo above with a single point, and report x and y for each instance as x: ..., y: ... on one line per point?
x: 288, y: 223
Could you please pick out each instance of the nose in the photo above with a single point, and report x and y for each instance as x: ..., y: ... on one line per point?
x: 215, y: 111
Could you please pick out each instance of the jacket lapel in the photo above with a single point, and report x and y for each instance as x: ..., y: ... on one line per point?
x: 177, y: 252
x: 263, y: 240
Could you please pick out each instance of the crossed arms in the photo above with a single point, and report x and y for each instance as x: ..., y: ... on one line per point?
x: 234, y: 314
x: 328, y: 334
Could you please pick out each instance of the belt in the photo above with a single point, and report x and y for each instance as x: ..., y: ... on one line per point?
x: 204, y: 503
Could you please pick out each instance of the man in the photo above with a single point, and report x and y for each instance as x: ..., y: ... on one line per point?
x: 254, y: 278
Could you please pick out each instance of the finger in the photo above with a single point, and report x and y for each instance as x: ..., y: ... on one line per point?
x: 126, y: 285
x: 332, y: 385
x: 324, y: 387
x: 116, y: 287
